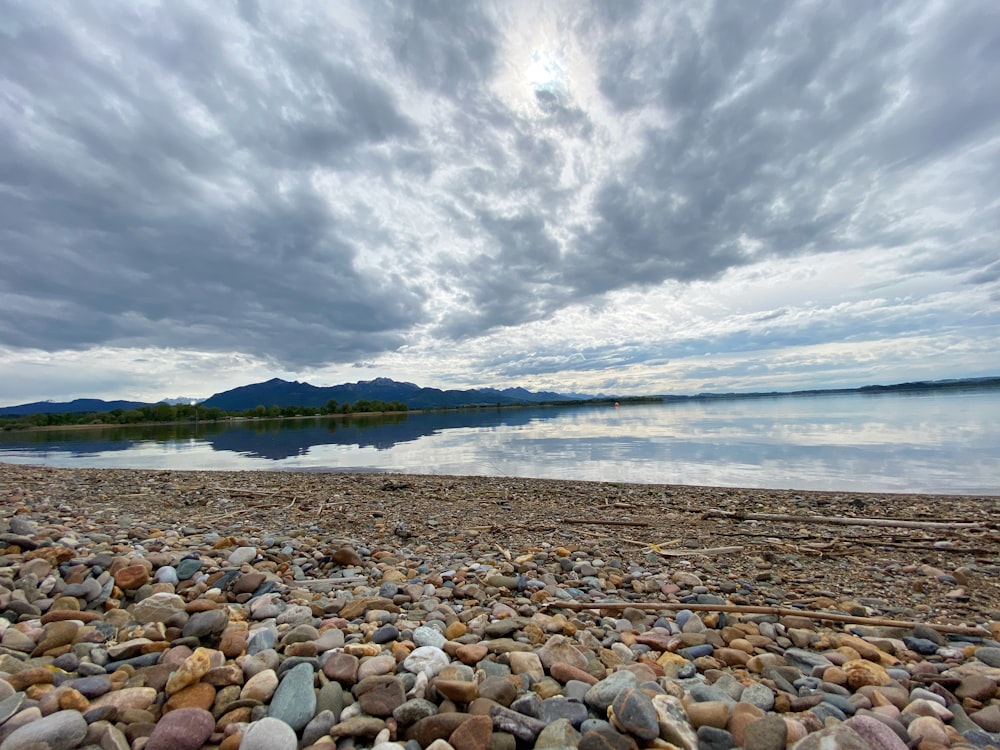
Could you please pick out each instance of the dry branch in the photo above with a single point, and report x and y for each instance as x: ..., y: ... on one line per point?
x: 842, y: 520
x: 587, y: 522
x: 762, y: 610
x: 704, y: 552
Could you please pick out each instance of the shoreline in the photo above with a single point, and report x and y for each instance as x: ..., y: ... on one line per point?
x: 150, y: 609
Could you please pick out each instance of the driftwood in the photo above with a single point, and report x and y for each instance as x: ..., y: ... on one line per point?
x: 587, y: 522
x: 306, y: 583
x: 762, y: 610
x: 704, y: 552
x: 842, y: 520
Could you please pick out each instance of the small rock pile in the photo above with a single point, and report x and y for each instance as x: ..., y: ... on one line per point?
x: 208, y: 635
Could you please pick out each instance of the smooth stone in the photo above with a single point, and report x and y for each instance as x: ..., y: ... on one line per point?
x: 523, y: 727
x: 182, y: 729
x: 319, y: 726
x: 357, y: 726
x: 632, y: 711
x: 205, y: 624
x: 380, y: 695
x: 474, y: 734
x: 294, y: 701
x: 429, y: 660
x: 759, y: 695
x: 673, y: 722
x: 558, y: 707
x: 414, y: 710
x: 713, y: 738
x: 606, y: 738
x: 927, y: 728
x: 559, y: 733
x: 988, y: 718
x: 269, y: 734
x: 708, y: 713
x: 242, y: 555
x: 187, y: 567
x: 989, y: 655
x: 558, y: 650
x: 260, y: 687
x: 837, y: 737
x: 603, y: 693
x: 426, y: 635
x: 875, y: 733
x: 769, y: 733
x: 158, y: 607
x: 62, y: 730
x: 375, y: 666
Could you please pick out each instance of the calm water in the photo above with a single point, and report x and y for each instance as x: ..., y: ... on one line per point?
x: 887, y: 442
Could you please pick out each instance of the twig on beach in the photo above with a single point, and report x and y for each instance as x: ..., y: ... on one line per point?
x: 603, y: 522
x: 762, y: 610
x: 704, y: 552
x: 329, y: 581
x: 841, y: 520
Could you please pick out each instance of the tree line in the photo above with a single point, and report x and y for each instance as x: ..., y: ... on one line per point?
x: 194, y: 413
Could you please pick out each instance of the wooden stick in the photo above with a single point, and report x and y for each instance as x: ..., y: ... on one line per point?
x: 323, y: 581
x: 762, y: 610
x: 843, y: 520
x: 604, y: 523
x: 705, y: 552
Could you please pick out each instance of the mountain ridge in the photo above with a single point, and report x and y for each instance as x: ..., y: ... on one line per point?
x: 278, y: 392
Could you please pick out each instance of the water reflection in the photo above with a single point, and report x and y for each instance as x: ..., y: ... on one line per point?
x: 884, y: 442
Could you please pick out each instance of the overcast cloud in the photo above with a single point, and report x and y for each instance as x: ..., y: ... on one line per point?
x: 607, y: 197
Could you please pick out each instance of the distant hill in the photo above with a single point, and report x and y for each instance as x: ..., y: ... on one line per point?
x: 278, y: 392
x: 69, y: 407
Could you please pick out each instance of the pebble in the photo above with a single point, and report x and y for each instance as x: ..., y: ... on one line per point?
x: 187, y: 636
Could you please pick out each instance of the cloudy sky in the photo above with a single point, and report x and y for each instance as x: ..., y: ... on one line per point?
x: 607, y: 197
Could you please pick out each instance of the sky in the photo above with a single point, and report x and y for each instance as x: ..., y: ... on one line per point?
x: 594, y: 197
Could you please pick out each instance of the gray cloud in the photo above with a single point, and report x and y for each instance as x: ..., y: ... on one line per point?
x: 327, y: 183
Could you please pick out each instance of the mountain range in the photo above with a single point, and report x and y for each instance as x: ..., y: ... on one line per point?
x: 278, y: 392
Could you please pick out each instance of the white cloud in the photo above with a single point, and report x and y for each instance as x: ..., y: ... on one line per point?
x: 561, y: 195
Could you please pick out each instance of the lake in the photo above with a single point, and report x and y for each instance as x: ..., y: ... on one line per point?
x: 938, y: 442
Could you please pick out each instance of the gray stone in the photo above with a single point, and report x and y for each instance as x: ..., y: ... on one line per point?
x: 294, y: 702
x: 414, y: 710
x: 318, y: 727
x: 557, y: 707
x: 205, y: 624
x: 330, y: 698
x: 242, y: 555
x: 603, y: 694
x: 712, y: 738
x: 837, y: 737
x: 427, y: 659
x: 806, y: 660
x: 559, y: 733
x: 768, y: 733
x: 428, y: 636
x: 269, y: 734
x: 701, y: 692
x: 634, y: 713
x: 759, y: 695
x: 989, y: 655
x: 62, y: 730
x: 187, y: 567
x: 521, y: 726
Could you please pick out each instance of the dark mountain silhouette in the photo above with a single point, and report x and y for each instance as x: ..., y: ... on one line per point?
x: 69, y: 407
x: 278, y: 392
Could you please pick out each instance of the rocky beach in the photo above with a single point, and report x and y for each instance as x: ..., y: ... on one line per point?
x: 173, y: 610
